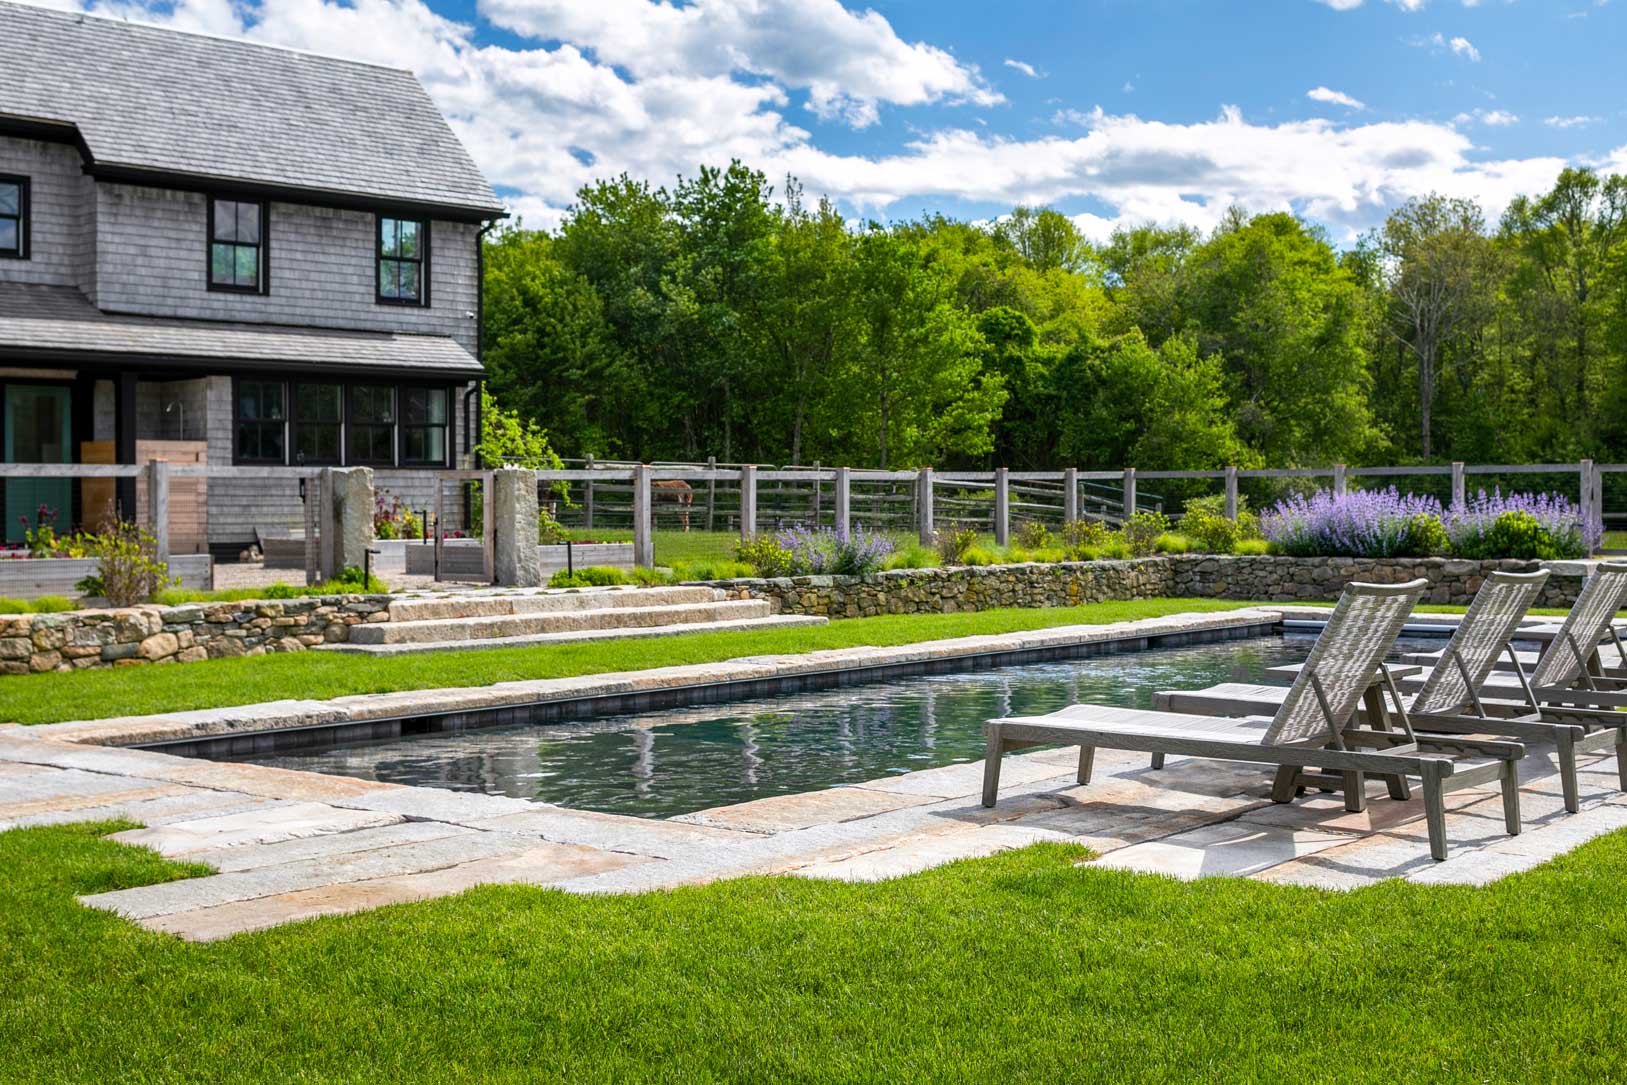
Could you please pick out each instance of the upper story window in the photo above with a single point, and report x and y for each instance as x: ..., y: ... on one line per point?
x: 14, y: 217
x: 237, y: 246
x: 403, y: 267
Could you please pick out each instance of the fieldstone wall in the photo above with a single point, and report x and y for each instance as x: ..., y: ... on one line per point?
x: 133, y: 636
x: 1287, y: 580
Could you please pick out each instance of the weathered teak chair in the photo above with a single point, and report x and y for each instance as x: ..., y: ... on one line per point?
x: 1312, y: 728
x: 1448, y: 698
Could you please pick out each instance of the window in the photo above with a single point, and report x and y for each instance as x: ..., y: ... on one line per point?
x: 261, y: 422
x: 403, y: 245
x: 237, y: 246
x: 372, y: 424
x: 423, y: 426
x: 318, y: 412
x: 14, y: 217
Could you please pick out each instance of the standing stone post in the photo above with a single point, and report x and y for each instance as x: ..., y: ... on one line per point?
x: 1129, y: 493
x: 643, y: 519
x: 748, y: 501
x: 1231, y: 493
x: 1070, y: 495
x: 1338, y: 480
x: 158, y: 505
x: 844, y: 501
x: 924, y: 506
x: 347, y: 514
x: 1457, y: 482
x: 1002, y: 506
x: 513, y: 528
x: 488, y: 529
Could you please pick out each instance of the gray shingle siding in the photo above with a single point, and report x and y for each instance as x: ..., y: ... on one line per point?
x: 61, y: 215
x: 151, y: 261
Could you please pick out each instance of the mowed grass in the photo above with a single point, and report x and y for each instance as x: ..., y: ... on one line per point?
x: 96, y: 694
x: 1022, y: 967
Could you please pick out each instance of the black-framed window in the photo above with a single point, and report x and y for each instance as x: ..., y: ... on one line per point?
x: 319, y: 411
x: 370, y: 429
x: 403, y: 261
x: 237, y: 246
x: 262, y: 421
x: 14, y: 217
x: 424, y: 420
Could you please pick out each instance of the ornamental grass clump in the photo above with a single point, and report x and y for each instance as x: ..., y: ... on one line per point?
x: 823, y: 551
x: 1526, y: 526
x: 1360, y: 524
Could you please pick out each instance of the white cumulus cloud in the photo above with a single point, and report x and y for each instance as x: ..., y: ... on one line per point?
x: 1334, y: 97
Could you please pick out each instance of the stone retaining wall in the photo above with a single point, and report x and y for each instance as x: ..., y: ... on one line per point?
x: 1265, y: 579
x: 132, y: 636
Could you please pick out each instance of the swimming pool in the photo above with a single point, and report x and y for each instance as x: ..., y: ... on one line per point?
x: 658, y: 764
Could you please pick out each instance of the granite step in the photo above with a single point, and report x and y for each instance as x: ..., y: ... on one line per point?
x: 569, y: 621
x: 733, y: 625
x: 495, y: 605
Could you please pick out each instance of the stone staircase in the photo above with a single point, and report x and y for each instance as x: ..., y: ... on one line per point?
x: 511, y: 619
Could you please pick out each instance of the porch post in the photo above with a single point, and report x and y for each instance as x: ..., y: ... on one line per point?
x: 124, y: 443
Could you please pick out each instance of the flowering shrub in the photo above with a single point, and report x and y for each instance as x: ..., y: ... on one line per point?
x: 953, y: 545
x: 128, y: 571
x: 765, y: 555
x: 1140, y: 532
x: 1529, y: 526
x: 824, y: 551
x: 1361, y: 524
x: 392, y: 519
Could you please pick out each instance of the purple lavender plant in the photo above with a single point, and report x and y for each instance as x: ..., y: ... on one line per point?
x: 817, y: 551
x: 1519, y: 525
x: 1362, y: 523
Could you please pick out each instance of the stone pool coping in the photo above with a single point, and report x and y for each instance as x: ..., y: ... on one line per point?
x: 623, y: 691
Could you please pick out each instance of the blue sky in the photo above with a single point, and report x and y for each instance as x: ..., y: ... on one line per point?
x: 1113, y: 111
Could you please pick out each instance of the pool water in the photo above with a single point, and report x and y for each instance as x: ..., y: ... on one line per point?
x: 672, y: 762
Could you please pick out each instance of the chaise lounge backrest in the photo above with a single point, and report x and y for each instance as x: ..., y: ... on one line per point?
x: 1589, y: 620
x: 1498, y: 607
x: 1361, y: 630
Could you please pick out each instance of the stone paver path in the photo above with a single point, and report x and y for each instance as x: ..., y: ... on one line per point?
x: 294, y: 845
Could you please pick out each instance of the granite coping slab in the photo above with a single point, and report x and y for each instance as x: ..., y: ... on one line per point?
x: 291, y: 822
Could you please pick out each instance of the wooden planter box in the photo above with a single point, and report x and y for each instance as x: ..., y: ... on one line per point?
x: 464, y: 559
x: 30, y: 578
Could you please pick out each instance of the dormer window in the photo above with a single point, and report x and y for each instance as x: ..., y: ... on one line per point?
x: 403, y: 265
x: 237, y: 246
x: 14, y: 217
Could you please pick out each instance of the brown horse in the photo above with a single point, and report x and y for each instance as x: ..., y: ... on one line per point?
x: 673, y: 491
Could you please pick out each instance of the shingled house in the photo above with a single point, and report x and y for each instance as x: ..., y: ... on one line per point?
x: 224, y: 252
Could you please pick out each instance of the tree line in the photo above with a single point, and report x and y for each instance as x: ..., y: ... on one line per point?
x: 718, y: 318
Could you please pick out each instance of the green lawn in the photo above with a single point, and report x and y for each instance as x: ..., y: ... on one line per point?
x: 1016, y: 968
x: 91, y: 694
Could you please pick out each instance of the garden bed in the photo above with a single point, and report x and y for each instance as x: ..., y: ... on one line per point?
x: 30, y: 578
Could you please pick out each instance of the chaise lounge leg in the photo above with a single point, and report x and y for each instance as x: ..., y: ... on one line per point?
x: 1621, y: 761
x: 1355, y: 792
x: 1157, y: 760
x: 1435, y: 812
x: 1286, y: 784
x: 1566, y: 752
x: 991, y: 765
x: 1511, y: 798
x: 1087, y: 761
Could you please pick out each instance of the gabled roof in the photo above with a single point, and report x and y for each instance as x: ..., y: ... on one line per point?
x: 58, y: 324
x: 149, y: 101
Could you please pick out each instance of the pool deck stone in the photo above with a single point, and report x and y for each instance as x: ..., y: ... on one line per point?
x: 289, y: 845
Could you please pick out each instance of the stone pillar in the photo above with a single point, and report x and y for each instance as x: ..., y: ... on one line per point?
x: 1002, y: 506
x: 924, y: 507
x: 347, y: 496
x: 513, y: 528
x: 1231, y: 493
x: 1070, y: 495
x: 643, y: 519
x: 844, y: 501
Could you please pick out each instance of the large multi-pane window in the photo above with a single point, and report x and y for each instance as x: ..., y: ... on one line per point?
x: 319, y: 411
x: 423, y: 425
x: 403, y: 245
x: 372, y: 424
x: 237, y: 247
x: 262, y: 421
x: 14, y: 217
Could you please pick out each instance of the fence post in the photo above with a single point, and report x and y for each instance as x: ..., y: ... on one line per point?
x: 748, y: 501
x: 327, y: 527
x: 1231, y: 493
x: 1590, y: 511
x: 1129, y: 492
x: 587, y: 501
x: 313, y: 560
x: 1598, y: 502
x: 711, y: 490
x: 1002, y: 506
x: 844, y: 500
x: 924, y: 507
x: 643, y: 536
x: 488, y: 530
x: 1338, y: 480
x: 158, y: 505
x: 1070, y: 495
x: 816, y: 493
x: 1457, y: 482
x: 440, y: 526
